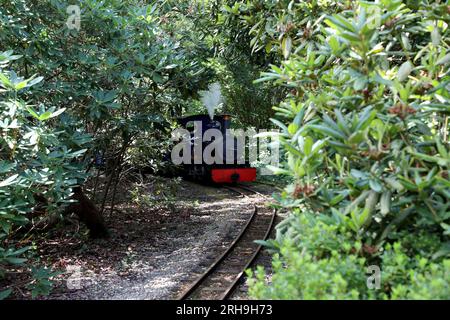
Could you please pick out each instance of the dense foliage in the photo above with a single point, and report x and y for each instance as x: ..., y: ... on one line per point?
x: 103, y: 94
x: 365, y: 128
x: 35, y: 160
x: 364, y: 120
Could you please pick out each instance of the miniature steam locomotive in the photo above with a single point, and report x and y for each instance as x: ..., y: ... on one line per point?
x: 228, y: 165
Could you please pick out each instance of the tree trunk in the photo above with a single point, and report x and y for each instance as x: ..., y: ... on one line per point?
x: 88, y: 213
x: 84, y: 208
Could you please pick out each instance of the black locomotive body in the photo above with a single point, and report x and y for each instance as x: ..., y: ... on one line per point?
x: 231, y: 166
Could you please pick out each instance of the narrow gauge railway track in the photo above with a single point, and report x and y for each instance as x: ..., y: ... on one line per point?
x: 221, y: 278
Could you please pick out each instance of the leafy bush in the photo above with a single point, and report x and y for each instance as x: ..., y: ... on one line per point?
x: 319, y: 258
x: 120, y: 76
x: 106, y: 92
x: 34, y: 161
x: 365, y: 129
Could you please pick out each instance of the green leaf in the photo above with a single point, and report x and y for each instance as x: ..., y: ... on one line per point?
x: 339, y: 23
x: 393, y: 183
x: 5, y: 294
x: 170, y: 66
x: 6, y: 166
x: 360, y: 84
x: 45, y: 116
x: 281, y: 125
x: 334, y: 44
x: 57, y: 112
x: 404, y: 71
x: 307, y: 147
x: 34, y: 81
x: 20, y: 85
x: 21, y: 250
x: 444, y: 60
x: 5, y: 81
x: 371, y: 201
x: 5, y: 225
x: 435, y: 36
x: 77, y: 153
x: 385, y: 203
x: 292, y: 128
x: 33, y: 113
x: 278, y: 171
x: 8, y: 181
x: 375, y: 185
x: 342, y: 123
x: 338, y: 198
x: 405, y: 41
x: 13, y: 260
x: 157, y: 78
x: 364, y: 217
x: 443, y: 251
x: 286, y: 46
x: 327, y: 131
x: 357, y: 201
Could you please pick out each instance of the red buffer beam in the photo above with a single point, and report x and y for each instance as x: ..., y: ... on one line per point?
x: 233, y: 175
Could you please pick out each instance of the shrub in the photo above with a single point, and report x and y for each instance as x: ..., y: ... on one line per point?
x: 318, y: 258
x: 111, y: 89
x: 365, y: 129
x: 35, y: 163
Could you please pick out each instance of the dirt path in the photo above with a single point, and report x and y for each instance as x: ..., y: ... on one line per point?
x: 151, y: 252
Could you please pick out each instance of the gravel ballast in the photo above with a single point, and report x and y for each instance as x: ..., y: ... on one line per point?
x: 152, y: 255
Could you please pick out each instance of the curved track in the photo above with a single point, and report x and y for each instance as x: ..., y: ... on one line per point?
x: 222, y: 276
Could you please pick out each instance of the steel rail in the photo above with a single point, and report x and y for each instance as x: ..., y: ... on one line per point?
x: 230, y: 288
x: 236, y: 281
x: 185, y: 294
